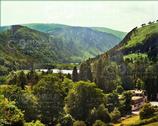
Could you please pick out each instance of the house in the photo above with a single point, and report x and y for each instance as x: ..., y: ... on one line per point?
x: 138, y: 99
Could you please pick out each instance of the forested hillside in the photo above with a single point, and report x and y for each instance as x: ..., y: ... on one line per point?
x: 49, y: 44
x: 132, y: 63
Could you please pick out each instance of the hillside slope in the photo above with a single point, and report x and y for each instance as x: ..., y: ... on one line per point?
x: 21, y: 46
x: 75, y: 43
x: 134, y: 58
x: 53, y: 27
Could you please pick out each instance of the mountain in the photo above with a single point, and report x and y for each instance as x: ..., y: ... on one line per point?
x: 53, y: 27
x: 84, y: 41
x: 134, y: 58
x: 119, y: 34
x: 139, y: 40
x: 20, y: 46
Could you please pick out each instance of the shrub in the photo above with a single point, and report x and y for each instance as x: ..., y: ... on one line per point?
x: 37, y: 123
x: 67, y: 120
x: 147, y: 111
x: 101, y: 113
x: 79, y: 123
x: 9, y: 113
x: 115, y: 115
x: 119, y: 89
x: 99, y: 123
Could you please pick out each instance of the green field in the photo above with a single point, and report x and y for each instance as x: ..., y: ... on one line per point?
x: 129, y: 120
x: 152, y: 124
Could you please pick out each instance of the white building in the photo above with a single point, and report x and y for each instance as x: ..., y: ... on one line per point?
x: 138, y: 99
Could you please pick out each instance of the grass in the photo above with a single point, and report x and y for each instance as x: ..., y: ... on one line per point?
x: 152, y: 124
x: 135, y: 56
x: 141, y: 34
x: 129, y: 120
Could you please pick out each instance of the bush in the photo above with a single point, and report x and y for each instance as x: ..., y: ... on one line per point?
x: 99, y: 123
x: 82, y: 99
x: 101, y: 113
x: 9, y: 113
x: 119, y: 89
x: 67, y: 120
x: 115, y: 115
x: 147, y: 111
x: 37, y: 123
x: 79, y: 123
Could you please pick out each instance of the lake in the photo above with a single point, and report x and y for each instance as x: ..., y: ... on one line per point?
x: 58, y: 70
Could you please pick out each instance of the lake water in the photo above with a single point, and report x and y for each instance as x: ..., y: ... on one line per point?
x: 57, y: 71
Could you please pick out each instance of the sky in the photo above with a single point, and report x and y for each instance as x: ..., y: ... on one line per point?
x: 118, y: 15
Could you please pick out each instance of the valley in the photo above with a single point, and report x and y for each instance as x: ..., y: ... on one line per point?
x: 78, y: 63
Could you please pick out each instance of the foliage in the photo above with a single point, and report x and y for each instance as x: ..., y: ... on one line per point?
x: 119, y: 89
x: 125, y: 103
x: 82, y: 98
x: 101, y: 113
x: 115, y: 115
x: 33, y: 43
x: 9, y: 113
x: 147, y: 111
x: 99, y: 123
x: 135, y: 57
x: 36, y: 123
x: 22, y: 80
x: 50, y: 97
x: 85, y: 72
x: 67, y: 120
x: 79, y: 123
x: 32, y: 77
x: 107, y: 75
x: 112, y: 101
x: 75, y: 74
x: 25, y: 100
x: 141, y: 34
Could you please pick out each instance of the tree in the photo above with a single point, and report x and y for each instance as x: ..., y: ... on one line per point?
x: 25, y: 101
x: 112, y: 101
x: 101, y: 113
x: 50, y: 99
x: 119, y: 89
x: 147, y: 111
x: 82, y: 98
x: 32, y: 77
x: 79, y: 123
x: 68, y: 76
x: 67, y: 120
x: 22, y: 80
x: 75, y: 74
x: 36, y: 123
x: 139, y: 84
x: 99, y: 123
x: 12, y: 79
x: 125, y: 103
x: 115, y: 115
x: 107, y: 75
x: 10, y: 115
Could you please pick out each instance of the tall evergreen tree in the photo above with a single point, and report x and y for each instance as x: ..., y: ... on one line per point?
x: 22, y: 80
x: 75, y: 74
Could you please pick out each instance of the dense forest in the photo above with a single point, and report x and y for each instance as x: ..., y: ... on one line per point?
x: 99, y: 94
x: 132, y: 63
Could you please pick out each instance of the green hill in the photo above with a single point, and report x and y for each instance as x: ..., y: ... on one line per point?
x: 21, y: 46
x: 52, y: 27
x: 119, y: 34
x: 135, y: 57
